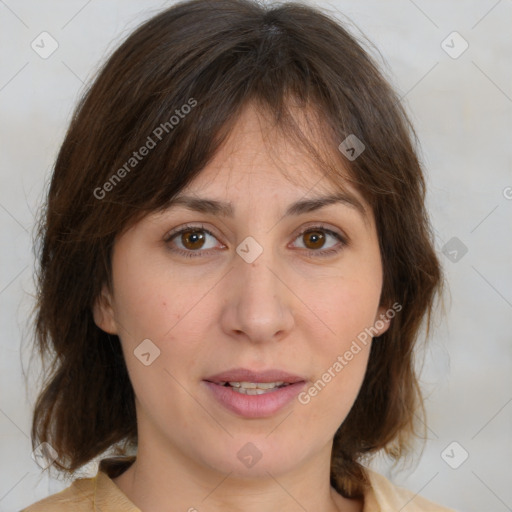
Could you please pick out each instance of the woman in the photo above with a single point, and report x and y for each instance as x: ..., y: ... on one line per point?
x: 235, y: 264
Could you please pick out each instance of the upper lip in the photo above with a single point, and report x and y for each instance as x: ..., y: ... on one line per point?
x: 246, y: 375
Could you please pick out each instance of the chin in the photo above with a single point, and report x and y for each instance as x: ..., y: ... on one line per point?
x: 249, y: 457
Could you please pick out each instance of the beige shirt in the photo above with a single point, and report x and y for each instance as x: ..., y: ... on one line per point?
x: 101, y: 494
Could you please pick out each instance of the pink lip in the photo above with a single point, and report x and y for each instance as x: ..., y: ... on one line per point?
x: 245, y: 375
x: 255, y: 406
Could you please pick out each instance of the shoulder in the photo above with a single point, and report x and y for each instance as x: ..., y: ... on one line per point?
x: 78, y: 497
x: 384, y: 495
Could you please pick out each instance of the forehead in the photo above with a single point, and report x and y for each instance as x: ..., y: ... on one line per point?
x: 260, y: 166
x: 258, y: 155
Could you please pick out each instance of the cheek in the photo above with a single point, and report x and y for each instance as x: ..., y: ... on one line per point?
x: 347, y: 306
x: 154, y: 303
x: 341, y: 362
x: 151, y: 301
x: 347, y: 300
x: 150, y: 308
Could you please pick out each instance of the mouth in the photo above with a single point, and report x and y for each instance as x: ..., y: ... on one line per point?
x: 253, y: 394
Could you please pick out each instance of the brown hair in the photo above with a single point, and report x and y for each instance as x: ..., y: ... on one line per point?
x: 216, y: 57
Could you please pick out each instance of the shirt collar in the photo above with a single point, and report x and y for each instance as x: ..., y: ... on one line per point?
x: 108, y: 497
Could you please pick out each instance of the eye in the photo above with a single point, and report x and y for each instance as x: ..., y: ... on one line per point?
x: 315, y: 238
x: 190, y: 240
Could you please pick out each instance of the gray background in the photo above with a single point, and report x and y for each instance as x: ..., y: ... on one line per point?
x: 461, y: 108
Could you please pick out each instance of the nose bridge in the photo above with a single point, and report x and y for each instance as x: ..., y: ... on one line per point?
x: 259, y: 303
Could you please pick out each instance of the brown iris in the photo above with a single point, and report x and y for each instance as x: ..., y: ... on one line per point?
x: 317, y: 239
x: 196, y: 237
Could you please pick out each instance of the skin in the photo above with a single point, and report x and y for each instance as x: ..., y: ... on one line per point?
x: 289, y: 309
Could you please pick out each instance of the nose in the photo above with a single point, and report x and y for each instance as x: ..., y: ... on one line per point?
x: 258, y: 304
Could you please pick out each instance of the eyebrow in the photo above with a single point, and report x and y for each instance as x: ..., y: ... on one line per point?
x: 214, y: 207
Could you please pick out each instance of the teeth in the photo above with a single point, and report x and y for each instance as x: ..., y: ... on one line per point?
x: 254, y: 385
x: 252, y: 391
x: 255, y: 388
x: 246, y: 385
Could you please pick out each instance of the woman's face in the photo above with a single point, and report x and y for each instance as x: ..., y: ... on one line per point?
x: 246, y: 289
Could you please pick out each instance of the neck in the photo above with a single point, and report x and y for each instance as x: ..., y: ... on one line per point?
x: 156, y: 479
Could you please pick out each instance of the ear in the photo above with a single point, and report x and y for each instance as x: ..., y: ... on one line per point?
x: 103, y: 312
x: 382, y: 321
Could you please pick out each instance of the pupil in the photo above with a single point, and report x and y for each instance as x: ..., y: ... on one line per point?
x: 316, y: 238
x: 194, y: 237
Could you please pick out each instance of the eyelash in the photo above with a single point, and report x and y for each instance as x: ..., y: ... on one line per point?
x: 316, y: 254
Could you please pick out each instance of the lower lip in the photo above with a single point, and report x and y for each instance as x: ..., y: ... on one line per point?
x: 255, y: 406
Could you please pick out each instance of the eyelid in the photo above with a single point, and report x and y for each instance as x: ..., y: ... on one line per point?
x: 326, y: 227
x: 303, y: 229
x: 188, y: 226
